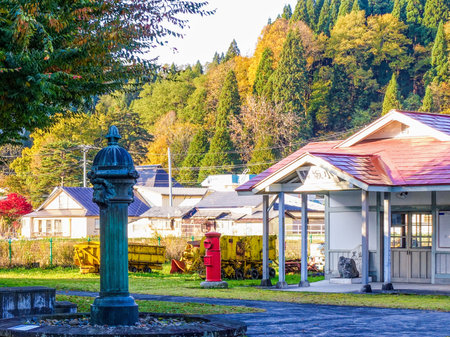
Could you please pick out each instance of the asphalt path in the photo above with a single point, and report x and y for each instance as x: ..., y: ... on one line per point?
x: 291, y: 319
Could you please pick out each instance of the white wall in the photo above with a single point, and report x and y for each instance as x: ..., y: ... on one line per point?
x: 26, y: 227
x: 79, y: 228
x: 412, y: 199
x: 350, y: 198
x: 345, y: 230
x: 63, y: 201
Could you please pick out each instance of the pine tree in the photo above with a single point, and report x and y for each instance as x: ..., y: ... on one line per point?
x: 263, y: 72
x: 414, y: 13
x: 310, y: 7
x: 198, y: 69
x: 216, y: 59
x: 399, y: 10
x: 229, y: 99
x: 392, y: 96
x: 435, y: 12
x: 263, y: 155
x: 379, y: 7
x: 233, y: 51
x: 318, y: 4
x: 428, y: 104
x: 220, y: 157
x: 198, y: 148
x: 344, y: 8
x: 325, y: 16
x: 287, y: 12
x: 355, y: 6
x: 290, y: 77
x: 439, y: 56
x: 334, y: 11
x: 301, y: 12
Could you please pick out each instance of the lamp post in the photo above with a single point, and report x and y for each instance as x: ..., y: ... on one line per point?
x: 113, y: 177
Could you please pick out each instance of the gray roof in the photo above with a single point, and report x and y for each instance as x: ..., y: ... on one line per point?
x: 209, y: 214
x: 154, y: 176
x: 167, y: 212
x: 229, y: 200
x: 192, y: 191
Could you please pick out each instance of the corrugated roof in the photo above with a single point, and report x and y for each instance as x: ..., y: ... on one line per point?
x: 154, y: 176
x: 188, y: 191
x: 166, y: 212
x: 229, y: 200
x: 412, y: 161
x: 83, y: 195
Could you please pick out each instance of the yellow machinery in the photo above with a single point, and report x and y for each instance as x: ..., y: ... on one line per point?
x: 241, y: 257
x: 141, y: 257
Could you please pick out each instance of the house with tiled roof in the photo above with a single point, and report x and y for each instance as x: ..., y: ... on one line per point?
x: 70, y: 212
x: 387, y: 198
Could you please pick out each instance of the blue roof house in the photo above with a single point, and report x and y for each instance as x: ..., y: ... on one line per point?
x: 70, y: 212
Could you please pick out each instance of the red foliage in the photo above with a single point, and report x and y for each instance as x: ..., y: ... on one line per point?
x: 14, y: 206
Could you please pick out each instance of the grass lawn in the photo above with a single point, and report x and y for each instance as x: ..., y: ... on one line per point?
x: 163, y: 283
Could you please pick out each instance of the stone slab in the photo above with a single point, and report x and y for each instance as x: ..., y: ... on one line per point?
x: 214, y: 285
x: 21, y: 301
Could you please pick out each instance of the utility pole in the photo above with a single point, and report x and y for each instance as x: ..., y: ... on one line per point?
x: 170, y: 177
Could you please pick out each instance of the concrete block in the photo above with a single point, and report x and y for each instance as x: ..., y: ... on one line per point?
x: 21, y: 301
x: 355, y: 280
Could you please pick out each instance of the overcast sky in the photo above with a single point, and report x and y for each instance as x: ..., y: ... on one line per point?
x: 242, y: 20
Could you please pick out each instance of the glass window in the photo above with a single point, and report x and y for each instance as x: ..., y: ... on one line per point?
x: 48, y: 226
x: 421, y: 230
x: 97, y: 224
x: 399, y: 230
x: 58, y: 226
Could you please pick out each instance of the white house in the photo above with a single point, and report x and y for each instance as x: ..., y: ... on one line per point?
x: 70, y: 212
x: 387, y: 190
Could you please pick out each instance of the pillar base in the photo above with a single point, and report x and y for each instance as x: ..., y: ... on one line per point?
x: 214, y: 285
x: 303, y: 284
x: 281, y: 285
x: 387, y: 286
x: 114, y: 310
x: 366, y: 288
x: 266, y: 283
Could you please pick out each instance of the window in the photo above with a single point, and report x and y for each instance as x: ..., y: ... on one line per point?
x: 97, y: 224
x: 48, y: 226
x: 398, y: 230
x: 58, y: 227
x: 421, y: 230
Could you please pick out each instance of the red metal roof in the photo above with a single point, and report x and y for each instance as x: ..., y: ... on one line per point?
x: 383, y: 162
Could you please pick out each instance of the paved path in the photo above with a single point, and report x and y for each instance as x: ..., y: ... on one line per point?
x: 290, y: 319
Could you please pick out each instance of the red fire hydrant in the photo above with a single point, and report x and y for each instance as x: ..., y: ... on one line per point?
x: 212, y: 262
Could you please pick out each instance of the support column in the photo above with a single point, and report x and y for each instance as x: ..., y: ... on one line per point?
x: 265, y: 282
x: 304, y: 265
x: 366, y: 288
x: 281, y: 242
x: 387, y: 218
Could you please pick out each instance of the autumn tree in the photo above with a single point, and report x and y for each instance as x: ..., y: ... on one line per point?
x: 55, y: 56
x: 11, y: 209
x: 391, y: 96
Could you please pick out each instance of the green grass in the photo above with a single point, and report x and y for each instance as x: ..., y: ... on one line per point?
x: 163, y: 283
x: 190, y: 308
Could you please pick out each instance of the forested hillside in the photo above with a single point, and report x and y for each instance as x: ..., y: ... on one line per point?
x: 319, y: 71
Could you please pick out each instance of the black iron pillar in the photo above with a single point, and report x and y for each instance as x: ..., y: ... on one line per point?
x: 113, y: 176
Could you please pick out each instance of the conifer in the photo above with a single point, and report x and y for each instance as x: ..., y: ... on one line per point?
x: 197, y: 150
x: 229, y: 99
x: 323, y: 25
x: 301, y: 12
x: 263, y: 72
x: 310, y: 7
x: 399, y: 10
x: 392, y: 96
x: 263, y: 154
x: 344, y: 8
x: 439, y: 56
x: 428, y: 104
x: 287, y: 12
x: 198, y: 69
x: 414, y: 13
x: 355, y: 6
x: 435, y: 12
x: 233, y: 51
x: 334, y: 11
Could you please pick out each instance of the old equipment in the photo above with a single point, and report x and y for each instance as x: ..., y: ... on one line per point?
x: 141, y: 257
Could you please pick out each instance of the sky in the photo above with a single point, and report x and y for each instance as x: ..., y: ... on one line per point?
x: 242, y: 20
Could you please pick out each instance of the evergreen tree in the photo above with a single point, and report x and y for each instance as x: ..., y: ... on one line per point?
x: 334, y: 11
x: 216, y: 59
x: 439, y: 56
x: 198, y: 148
x: 195, y: 110
x: 198, y: 69
x: 323, y: 25
x: 220, y: 157
x: 344, y: 8
x: 229, y: 99
x: 399, y: 10
x: 290, y: 79
x: 435, y: 12
x: 269, y: 21
x: 392, y: 96
x: 318, y: 4
x: 263, y: 155
x: 301, y: 12
x: 414, y: 12
x: 233, y: 51
x: 428, y: 104
x: 379, y: 7
x: 287, y: 12
x: 311, y: 8
x: 263, y: 72
x: 355, y: 6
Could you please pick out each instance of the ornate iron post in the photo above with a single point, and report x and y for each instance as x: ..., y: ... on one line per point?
x: 113, y: 176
